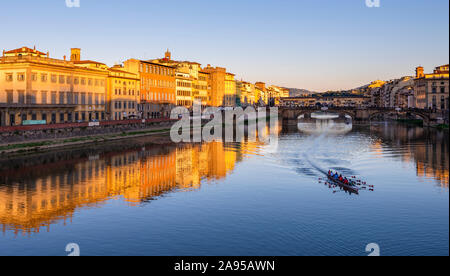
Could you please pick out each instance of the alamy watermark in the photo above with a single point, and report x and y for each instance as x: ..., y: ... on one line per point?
x: 373, y: 3
x: 73, y: 3
x: 224, y: 124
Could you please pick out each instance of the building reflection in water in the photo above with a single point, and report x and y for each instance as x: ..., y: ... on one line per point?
x: 37, y: 196
x: 427, y: 148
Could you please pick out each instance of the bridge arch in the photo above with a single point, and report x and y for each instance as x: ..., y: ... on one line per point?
x: 423, y: 115
x: 291, y: 114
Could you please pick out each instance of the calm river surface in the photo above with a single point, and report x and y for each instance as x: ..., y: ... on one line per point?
x: 249, y: 198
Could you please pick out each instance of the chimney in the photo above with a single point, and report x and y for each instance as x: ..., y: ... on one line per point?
x: 64, y: 58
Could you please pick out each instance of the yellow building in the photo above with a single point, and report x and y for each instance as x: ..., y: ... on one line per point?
x: 184, y: 94
x: 261, y: 96
x: 246, y: 93
x: 201, y: 89
x: 217, y: 83
x: 275, y: 93
x: 123, y: 96
x: 35, y: 87
x: 431, y: 91
x: 377, y: 84
x: 230, y: 90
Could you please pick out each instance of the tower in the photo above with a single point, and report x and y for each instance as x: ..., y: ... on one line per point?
x: 419, y: 72
x: 75, y: 54
x: 168, y: 55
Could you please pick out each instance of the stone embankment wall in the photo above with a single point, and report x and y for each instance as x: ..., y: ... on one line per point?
x: 17, y: 134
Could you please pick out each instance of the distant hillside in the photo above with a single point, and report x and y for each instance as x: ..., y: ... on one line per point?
x: 297, y: 92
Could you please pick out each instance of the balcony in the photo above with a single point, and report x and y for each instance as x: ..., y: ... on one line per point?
x: 35, y: 106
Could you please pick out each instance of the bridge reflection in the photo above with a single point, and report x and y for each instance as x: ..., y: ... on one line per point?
x: 325, y: 123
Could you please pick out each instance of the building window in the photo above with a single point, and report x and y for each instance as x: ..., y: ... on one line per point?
x: 90, y: 98
x: 90, y: 82
x: 61, y: 97
x: 75, y: 98
x: 44, y: 77
x: 43, y: 97
x: 21, y: 77
x: 83, y: 81
x: 54, y: 78
x: 76, y: 80
x: 53, y: 97
x: 83, y: 99
x: 61, y: 117
x: 21, y: 97
x: 69, y: 80
x: 9, y: 77
x: 34, y: 76
x: 69, y: 97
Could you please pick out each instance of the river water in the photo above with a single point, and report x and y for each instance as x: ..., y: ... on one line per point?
x: 247, y: 198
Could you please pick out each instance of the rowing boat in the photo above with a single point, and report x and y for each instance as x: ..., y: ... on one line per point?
x: 348, y: 187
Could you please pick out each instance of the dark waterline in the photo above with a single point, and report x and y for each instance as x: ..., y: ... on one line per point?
x: 248, y: 198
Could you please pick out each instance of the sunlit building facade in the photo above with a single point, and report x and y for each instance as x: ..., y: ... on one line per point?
x: 217, y: 83
x: 431, y: 91
x: 158, y: 87
x: 37, y: 88
x: 190, y: 80
x: 123, y: 96
x: 230, y: 90
x: 184, y: 89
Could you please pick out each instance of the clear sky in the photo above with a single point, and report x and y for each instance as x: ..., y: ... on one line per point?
x: 313, y: 44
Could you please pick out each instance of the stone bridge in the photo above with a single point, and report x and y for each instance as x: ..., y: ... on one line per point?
x: 290, y: 115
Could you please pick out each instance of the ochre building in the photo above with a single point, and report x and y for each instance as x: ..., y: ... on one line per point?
x: 35, y: 88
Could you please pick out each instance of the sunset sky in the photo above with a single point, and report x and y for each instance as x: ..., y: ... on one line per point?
x: 313, y: 44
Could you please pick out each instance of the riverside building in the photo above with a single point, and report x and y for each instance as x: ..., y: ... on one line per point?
x: 123, y: 94
x: 158, y: 87
x: 37, y: 89
x: 431, y: 91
